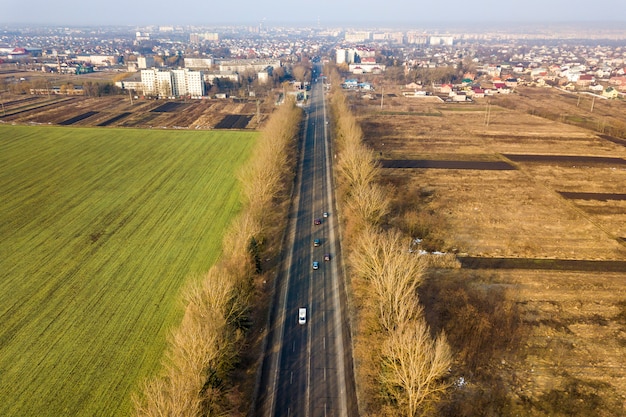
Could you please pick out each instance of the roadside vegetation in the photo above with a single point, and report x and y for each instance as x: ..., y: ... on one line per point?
x: 199, y: 374
x: 400, y: 366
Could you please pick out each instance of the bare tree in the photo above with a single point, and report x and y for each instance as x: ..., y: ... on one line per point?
x: 301, y: 73
x: 368, y: 203
x: 413, y: 366
x: 394, y: 273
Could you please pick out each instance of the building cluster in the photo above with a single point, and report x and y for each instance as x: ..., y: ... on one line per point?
x: 360, y: 60
x: 191, y: 80
x: 399, y: 38
x: 168, y: 60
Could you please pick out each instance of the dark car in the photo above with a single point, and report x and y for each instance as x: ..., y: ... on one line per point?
x: 317, y: 221
x: 327, y: 257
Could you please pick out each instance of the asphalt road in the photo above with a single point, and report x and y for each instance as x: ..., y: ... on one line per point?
x: 307, y: 371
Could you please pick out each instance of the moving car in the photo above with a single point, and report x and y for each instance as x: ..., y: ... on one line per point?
x: 316, y: 264
x: 325, y: 214
x: 316, y: 242
x: 302, y: 315
x: 326, y: 257
x: 317, y: 221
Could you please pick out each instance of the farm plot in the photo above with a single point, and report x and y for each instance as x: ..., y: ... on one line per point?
x: 234, y: 121
x: 120, y: 111
x: 101, y: 228
x: 31, y: 109
x: 114, y: 119
x: 78, y: 118
x: 563, y: 320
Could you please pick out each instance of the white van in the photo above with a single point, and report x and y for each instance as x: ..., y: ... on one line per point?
x: 302, y: 315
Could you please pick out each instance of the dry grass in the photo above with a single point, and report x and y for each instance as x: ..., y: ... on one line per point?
x: 527, y: 342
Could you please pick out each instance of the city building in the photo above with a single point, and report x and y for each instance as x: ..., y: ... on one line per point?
x: 198, y: 63
x: 174, y: 83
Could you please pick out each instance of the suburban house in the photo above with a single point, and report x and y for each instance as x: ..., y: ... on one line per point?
x: 585, y: 80
x: 610, y: 92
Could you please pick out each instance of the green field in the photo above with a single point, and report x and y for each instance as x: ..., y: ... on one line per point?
x: 99, y: 229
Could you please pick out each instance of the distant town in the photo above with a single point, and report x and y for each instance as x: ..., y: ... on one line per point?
x: 192, y: 62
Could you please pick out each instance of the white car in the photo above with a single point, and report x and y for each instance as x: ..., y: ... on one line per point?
x: 302, y: 315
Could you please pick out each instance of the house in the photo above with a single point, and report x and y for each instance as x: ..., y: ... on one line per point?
x: 477, y: 92
x: 610, y: 92
x: 511, y: 82
x: 585, y: 80
x: 459, y: 97
x: 446, y: 88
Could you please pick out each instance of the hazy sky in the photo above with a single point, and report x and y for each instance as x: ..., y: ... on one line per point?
x: 327, y: 12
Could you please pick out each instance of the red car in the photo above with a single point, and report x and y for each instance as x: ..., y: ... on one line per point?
x: 317, y: 221
x: 327, y: 257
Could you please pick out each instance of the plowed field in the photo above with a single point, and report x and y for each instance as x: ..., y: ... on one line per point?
x: 119, y: 111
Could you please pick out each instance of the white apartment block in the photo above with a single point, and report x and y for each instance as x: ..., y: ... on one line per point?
x: 198, y: 63
x: 148, y: 80
x: 441, y: 40
x: 195, y: 83
x: 349, y: 56
x: 358, y: 36
x: 144, y: 62
x: 342, y: 56
x: 175, y: 83
x: 243, y: 65
x: 164, y: 83
x: 415, y: 38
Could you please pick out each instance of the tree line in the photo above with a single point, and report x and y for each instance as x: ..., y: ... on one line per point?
x: 197, y: 377
x: 401, y: 367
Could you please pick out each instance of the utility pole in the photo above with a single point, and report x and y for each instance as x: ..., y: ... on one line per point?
x: 382, y: 97
x: 593, y: 101
x: 487, y: 114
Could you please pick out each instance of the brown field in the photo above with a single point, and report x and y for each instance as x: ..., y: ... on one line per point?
x: 547, y: 334
x: 121, y: 110
x: 117, y: 111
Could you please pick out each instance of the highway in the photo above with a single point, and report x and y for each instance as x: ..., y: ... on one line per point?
x: 307, y: 369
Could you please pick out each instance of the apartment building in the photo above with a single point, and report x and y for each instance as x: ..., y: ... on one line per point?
x: 174, y: 83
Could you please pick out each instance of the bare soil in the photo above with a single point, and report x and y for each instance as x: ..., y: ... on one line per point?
x: 119, y: 111
x: 563, y: 346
